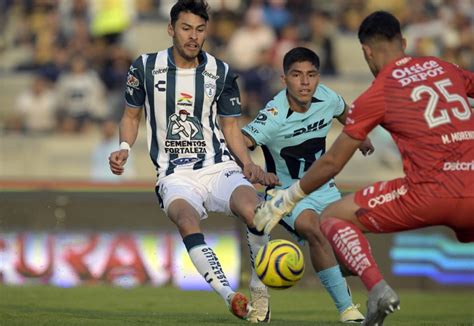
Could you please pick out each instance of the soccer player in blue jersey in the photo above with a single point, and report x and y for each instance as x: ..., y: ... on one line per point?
x: 292, y: 131
x: 192, y: 104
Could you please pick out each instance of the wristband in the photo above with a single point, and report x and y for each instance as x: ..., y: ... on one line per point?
x: 125, y: 145
x: 295, y: 192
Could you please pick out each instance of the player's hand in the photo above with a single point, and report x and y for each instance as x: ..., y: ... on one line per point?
x: 366, y: 147
x: 270, y: 179
x: 269, y: 213
x: 253, y: 173
x: 117, y: 161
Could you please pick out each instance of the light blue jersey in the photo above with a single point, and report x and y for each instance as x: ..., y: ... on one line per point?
x: 292, y: 141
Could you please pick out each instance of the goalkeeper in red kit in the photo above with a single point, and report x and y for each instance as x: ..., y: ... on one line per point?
x: 423, y: 103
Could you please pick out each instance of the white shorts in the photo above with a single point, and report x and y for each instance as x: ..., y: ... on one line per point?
x: 206, y: 189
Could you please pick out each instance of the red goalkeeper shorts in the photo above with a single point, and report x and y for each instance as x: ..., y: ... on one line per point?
x: 392, y: 206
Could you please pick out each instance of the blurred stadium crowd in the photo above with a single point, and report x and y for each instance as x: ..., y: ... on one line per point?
x: 79, y: 51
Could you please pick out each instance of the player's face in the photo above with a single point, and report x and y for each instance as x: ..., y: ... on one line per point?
x: 189, y: 34
x: 301, y: 81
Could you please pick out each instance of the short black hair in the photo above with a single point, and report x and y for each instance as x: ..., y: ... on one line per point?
x: 379, y: 25
x: 198, y: 7
x: 299, y: 54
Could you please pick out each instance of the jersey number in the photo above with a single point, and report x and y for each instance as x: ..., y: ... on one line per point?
x: 440, y: 117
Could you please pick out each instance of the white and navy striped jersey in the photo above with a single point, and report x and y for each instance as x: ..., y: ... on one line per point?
x: 181, y: 109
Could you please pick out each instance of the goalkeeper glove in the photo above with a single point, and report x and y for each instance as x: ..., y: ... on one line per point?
x: 269, y: 213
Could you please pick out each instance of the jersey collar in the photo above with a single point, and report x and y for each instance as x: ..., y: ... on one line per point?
x: 202, y: 58
x: 314, y: 99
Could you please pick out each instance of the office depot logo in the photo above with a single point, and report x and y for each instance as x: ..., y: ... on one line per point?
x: 458, y: 166
x: 386, y: 198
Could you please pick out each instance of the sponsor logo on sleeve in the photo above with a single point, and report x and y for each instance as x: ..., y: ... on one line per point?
x: 261, y: 118
x: 234, y: 101
x: 273, y: 111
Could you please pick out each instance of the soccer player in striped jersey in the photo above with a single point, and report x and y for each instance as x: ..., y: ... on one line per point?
x: 292, y: 131
x: 423, y: 103
x: 192, y: 104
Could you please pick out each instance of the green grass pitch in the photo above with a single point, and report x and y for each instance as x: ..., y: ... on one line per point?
x: 103, y: 305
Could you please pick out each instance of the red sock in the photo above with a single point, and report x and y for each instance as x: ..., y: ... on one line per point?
x: 352, y: 249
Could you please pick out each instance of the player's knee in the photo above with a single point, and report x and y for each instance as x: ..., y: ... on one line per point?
x: 327, y: 223
x: 312, y: 232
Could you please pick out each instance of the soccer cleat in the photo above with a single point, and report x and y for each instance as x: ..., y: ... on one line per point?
x: 382, y: 302
x: 352, y: 315
x: 238, y: 305
x: 259, y: 311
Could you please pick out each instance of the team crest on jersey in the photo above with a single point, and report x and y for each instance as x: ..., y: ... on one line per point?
x: 132, y: 81
x: 185, y: 99
x: 210, y: 89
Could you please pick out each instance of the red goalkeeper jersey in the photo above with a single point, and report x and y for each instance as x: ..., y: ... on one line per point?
x: 423, y: 103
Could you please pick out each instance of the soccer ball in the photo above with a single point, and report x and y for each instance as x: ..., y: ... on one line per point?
x: 279, y: 264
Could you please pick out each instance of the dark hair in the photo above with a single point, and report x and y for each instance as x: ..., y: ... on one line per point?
x: 379, y: 25
x: 198, y: 7
x: 299, y: 54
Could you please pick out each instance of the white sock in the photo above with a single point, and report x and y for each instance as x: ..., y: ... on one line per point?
x: 255, y: 241
x: 207, y: 264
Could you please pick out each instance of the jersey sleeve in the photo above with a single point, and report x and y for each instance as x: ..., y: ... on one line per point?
x: 228, y: 103
x: 340, y: 105
x: 264, y: 127
x: 365, y: 114
x: 135, y: 90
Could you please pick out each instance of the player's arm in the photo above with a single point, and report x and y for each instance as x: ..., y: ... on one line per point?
x: 237, y: 144
x: 269, y: 213
x: 330, y: 164
x: 269, y: 178
x: 135, y: 95
x: 128, y: 131
x: 366, y: 147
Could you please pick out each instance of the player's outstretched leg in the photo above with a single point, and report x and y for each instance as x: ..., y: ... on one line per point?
x: 382, y: 301
x: 207, y: 264
x: 353, y: 250
x: 259, y: 311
